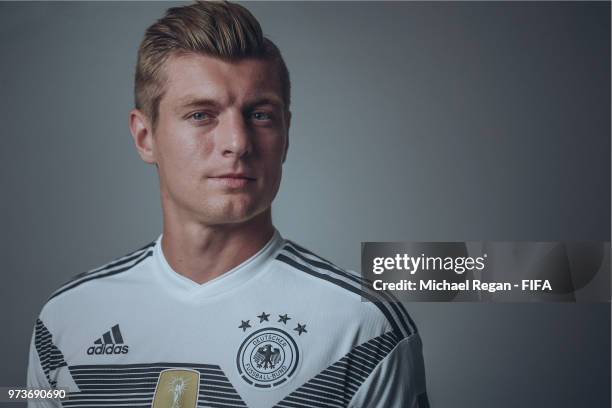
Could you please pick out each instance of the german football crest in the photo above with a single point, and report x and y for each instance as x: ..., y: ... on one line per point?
x: 269, y: 356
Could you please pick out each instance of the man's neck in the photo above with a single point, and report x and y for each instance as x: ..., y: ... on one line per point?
x: 202, y: 253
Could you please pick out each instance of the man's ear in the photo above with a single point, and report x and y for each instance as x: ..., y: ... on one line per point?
x: 142, y: 134
x: 288, y: 116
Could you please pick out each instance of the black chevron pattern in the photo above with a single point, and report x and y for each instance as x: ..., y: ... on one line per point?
x: 133, y: 385
x: 336, y: 385
x: 51, y: 358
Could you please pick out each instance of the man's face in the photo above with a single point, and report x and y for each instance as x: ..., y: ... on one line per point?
x: 220, y: 139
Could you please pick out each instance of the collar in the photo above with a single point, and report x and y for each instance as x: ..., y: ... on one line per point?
x: 249, y: 269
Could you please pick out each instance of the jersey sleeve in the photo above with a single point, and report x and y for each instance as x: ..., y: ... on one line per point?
x: 398, y: 381
x: 36, y: 377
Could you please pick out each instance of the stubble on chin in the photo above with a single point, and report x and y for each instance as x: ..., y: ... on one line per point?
x: 228, y: 210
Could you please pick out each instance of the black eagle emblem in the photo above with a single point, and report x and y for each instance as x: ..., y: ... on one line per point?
x: 267, y: 357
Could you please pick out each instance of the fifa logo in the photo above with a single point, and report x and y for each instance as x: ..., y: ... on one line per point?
x: 177, y: 388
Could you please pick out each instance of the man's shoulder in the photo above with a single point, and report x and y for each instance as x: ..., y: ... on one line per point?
x: 344, y: 291
x: 107, y: 271
x: 312, y: 267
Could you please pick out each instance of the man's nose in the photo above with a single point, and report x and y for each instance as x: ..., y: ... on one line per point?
x: 233, y: 136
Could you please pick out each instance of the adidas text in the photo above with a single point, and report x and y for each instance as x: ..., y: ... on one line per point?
x: 107, y: 349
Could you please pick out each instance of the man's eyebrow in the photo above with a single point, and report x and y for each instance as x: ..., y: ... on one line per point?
x: 265, y: 100
x: 192, y: 102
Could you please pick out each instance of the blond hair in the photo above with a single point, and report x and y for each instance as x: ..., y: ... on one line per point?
x: 219, y: 29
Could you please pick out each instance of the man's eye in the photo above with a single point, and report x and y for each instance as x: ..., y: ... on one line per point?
x: 261, y: 116
x: 199, y: 116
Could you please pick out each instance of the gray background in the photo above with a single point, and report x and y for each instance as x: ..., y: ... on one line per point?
x: 412, y: 121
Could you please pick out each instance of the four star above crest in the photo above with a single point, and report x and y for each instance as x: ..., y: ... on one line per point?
x: 264, y: 317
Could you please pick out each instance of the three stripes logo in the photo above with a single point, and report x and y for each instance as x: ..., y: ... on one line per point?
x: 111, y: 342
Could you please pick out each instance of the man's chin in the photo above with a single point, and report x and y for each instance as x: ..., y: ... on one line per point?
x: 234, y: 215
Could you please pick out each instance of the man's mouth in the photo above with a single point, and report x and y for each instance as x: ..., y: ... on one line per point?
x: 235, y: 176
x: 233, y: 180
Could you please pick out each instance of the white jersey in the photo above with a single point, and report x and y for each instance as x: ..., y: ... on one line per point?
x: 283, y: 329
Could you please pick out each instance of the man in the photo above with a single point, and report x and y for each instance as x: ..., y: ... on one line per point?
x: 220, y: 310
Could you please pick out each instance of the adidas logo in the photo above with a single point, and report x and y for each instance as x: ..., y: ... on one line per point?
x: 110, y: 343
